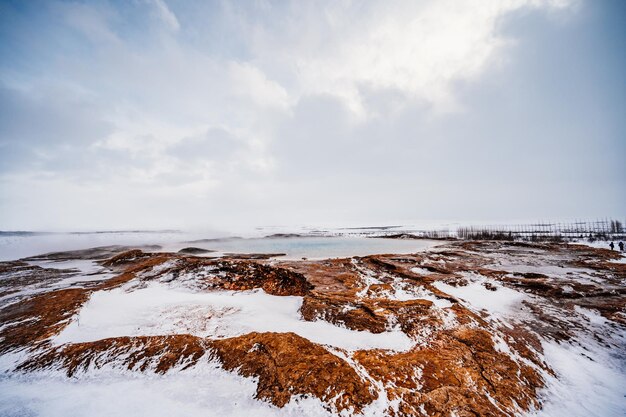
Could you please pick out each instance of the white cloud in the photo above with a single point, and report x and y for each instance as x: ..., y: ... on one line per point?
x: 316, y: 103
x: 165, y: 14
x: 419, y: 48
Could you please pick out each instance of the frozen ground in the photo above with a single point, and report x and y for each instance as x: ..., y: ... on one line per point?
x: 590, y: 380
x: 48, y: 276
x: 205, y: 390
x: 502, y: 302
x: 160, y: 309
x: 589, y: 376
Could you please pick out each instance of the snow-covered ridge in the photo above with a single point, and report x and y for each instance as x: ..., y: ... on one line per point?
x: 497, y: 326
x: 160, y: 309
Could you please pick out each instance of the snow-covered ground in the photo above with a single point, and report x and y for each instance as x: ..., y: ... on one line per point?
x: 204, y: 390
x: 475, y: 296
x: 590, y: 380
x: 72, y: 273
x: 589, y: 383
x: 159, y: 309
x: 589, y: 377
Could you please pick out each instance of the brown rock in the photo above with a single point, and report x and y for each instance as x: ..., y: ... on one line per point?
x: 287, y: 364
x: 154, y: 353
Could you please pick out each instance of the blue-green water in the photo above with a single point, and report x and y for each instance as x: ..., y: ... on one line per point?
x: 15, y: 246
x: 318, y: 247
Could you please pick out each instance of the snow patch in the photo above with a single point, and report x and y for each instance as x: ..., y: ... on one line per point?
x: 420, y: 271
x: 590, y: 382
x: 203, y: 390
x: 160, y: 310
x: 503, y: 300
x: 406, y: 292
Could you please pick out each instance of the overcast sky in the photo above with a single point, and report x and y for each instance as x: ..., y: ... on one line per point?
x: 180, y: 114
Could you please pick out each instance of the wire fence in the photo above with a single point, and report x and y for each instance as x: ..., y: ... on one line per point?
x: 607, y: 229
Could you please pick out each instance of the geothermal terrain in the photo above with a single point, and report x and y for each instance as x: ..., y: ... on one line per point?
x: 451, y: 328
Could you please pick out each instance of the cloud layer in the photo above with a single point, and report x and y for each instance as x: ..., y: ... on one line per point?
x: 179, y: 114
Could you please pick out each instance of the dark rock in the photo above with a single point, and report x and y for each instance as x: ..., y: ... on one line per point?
x: 194, y: 251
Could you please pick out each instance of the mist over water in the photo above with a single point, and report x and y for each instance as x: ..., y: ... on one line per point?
x: 14, y: 246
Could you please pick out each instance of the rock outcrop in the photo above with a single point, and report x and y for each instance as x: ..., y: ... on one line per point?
x: 465, y: 360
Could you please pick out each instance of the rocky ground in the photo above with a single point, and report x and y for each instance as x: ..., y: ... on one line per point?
x: 465, y: 329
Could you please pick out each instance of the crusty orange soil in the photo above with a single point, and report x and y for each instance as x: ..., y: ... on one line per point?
x: 455, y: 367
x: 30, y: 322
x: 287, y: 364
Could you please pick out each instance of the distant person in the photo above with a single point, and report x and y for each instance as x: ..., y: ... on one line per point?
x: 621, y: 246
x: 612, y: 246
